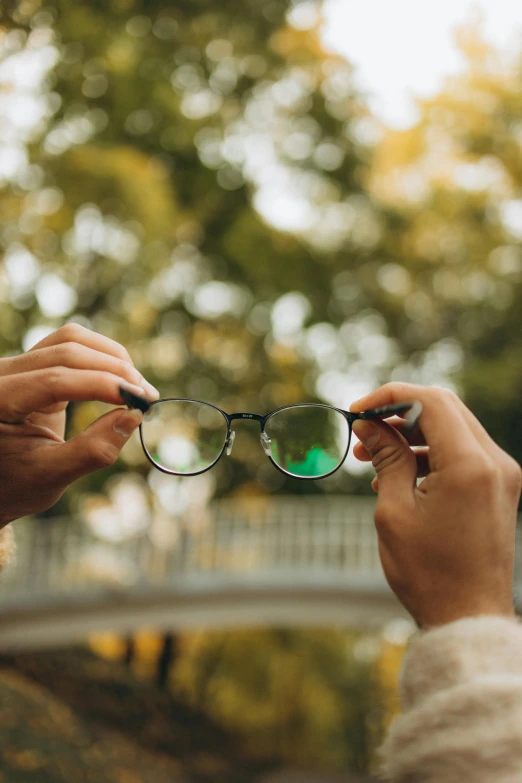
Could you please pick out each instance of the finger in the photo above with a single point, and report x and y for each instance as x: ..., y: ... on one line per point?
x: 74, y: 333
x: 476, y: 427
x: 27, y: 392
x: 415, y: 438
x: 396, y: 466
x: 360, y: 453
x: 474, y: 424
x: 76, y: 356
x: 444, y: 427
x: 97, y: 447
x: 423, y: 467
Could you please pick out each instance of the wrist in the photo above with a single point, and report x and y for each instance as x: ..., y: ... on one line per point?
x: 451, y: 615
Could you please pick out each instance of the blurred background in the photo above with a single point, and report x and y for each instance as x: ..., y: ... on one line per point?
x: 265, y: 202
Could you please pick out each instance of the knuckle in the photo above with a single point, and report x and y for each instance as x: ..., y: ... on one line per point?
x: 125, y: 355
x: 10, y: 412
x: 390, y: 386
x: 513, y: 473
x: 53, y: 375
x: 399, y: 386
x: 65, y: 352
x: 53, y: 378
x: 120, y: 353
x: 126, y: 369
x: 101, y: 455
x: 381, y: 516
x: 481, y: 472
x: 384, y: 517
x: 387, y: 456
x: 71, y: 332
x: 439, y: 395
x: 449, y: 394
x: 452, y: 399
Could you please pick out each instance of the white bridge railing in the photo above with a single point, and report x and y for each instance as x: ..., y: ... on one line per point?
x: 290, y: 535
x: 302, y: 560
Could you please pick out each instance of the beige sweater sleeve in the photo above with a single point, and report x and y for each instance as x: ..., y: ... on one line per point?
x: 461, y: 693
x: 7, y: 546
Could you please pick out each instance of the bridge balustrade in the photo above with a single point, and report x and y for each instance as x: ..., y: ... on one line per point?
x: 289, y: 536
x: 310, y: 560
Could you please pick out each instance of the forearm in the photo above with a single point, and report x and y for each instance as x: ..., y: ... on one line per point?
x: 461, y: 691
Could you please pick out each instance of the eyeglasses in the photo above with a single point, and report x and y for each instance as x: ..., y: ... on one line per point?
x: 187, y: 437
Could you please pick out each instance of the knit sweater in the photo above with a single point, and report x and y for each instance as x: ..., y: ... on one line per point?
x: 7, y: 545
x: 461, y: 694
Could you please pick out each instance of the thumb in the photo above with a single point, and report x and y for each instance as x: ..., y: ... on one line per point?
x: 98, y: 446
x: 393, y: 460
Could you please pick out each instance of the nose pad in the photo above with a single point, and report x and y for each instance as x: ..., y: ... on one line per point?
x: 266, y: 444
x: 230, y: 442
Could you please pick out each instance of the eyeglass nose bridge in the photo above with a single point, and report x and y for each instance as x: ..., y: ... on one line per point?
x: 266, y: 444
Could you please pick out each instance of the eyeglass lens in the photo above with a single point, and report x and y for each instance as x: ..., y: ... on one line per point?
x: 308, y: 441
x: 184, y: 436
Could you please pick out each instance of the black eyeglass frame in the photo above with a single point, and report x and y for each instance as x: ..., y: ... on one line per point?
x: 411, y: 410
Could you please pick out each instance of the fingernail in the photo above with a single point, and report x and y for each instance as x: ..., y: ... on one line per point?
x: 151, y: 392
x: 358, y: 404
x: 367, y: 432
x: 138, y: 390
x: 127, y: 423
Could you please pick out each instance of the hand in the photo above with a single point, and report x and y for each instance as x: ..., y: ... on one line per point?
x: 446, y: 546
x: 36, y: 464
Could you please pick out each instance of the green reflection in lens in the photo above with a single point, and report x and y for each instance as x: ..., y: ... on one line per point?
x: 308, y: 441
x: 317, y: 463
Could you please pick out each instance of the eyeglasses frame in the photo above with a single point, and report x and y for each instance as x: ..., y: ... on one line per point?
x: 412, y: 411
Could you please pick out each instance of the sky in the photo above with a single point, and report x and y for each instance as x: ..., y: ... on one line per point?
x: 405, y: 48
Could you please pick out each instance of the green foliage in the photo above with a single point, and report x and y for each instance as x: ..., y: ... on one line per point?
x: 461, y: 232
x: 238, y: 703
x: 155, y: 115
x: 146, y: 184
x: 299, y: 695
x: 43, y: 740
x: 170, y: 128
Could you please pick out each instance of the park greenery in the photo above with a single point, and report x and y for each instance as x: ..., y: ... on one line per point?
x: 204, y: 183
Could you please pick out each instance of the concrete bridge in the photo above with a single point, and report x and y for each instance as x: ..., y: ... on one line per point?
x: 286, y: 561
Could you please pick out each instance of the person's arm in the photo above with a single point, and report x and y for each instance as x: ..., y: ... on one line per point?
x: 447, y: 550
x: 36, y: 463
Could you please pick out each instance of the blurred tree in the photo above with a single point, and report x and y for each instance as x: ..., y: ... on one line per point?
x: 204, y: 184
x: 455, y: 272
x: 74, y: 717
x: 56, y: 745
x: 236, y: 703
x: 165, y: 131
x: 312, y: 698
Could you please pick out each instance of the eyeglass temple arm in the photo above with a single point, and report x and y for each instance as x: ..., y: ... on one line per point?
x: 412, y: 411
x: 133, y: 401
